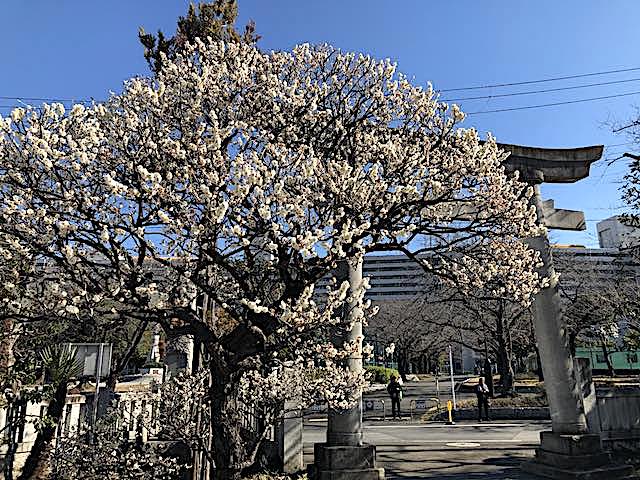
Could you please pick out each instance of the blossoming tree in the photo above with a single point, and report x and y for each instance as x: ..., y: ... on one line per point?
x: 247, y: 177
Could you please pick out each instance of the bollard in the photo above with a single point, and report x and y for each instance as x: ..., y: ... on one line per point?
x: 450, y: 409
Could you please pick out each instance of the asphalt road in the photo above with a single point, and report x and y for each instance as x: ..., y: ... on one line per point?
x: 465, y: 451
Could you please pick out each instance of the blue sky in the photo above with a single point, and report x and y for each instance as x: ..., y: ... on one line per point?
x: 78, y: 49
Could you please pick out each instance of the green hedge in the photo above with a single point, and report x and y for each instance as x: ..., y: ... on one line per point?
x: 153, y: 365
x: 381, y: 374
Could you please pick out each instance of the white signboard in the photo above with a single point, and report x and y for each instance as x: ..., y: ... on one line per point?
x: 88, y: 354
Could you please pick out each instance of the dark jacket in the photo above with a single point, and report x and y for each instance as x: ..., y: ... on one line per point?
x: 394, y: 389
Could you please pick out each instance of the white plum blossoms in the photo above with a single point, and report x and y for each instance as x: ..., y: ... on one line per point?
x: 247, y: 177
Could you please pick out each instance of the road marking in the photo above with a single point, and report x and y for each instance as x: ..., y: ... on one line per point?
x: 442, y: 425
x: 463, y: 444
x: 444, y: 441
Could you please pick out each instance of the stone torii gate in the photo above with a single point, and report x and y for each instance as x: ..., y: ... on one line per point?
x: 568, y: 450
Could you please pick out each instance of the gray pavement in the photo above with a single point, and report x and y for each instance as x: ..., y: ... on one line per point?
x: 432, y: 450
x: 488, y: 450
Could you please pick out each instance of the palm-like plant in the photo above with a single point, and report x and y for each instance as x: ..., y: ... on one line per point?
x: 61, y: 363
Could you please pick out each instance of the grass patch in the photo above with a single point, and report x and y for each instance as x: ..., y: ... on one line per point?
x: 521, y: 401
x: 381, y: 374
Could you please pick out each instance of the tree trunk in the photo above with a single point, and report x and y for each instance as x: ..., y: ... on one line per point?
x: 38, y: 463
x: 607, y: 357
x: 509, y: 381
x: 539, y: 365
x: 403, y: 363
x: 7, y: 340
x: 228, y: 451
x: 572, y: 343
x: 503, y: 358
x: 121, y: 363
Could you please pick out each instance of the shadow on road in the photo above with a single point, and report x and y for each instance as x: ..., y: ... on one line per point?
x: 451, y: 464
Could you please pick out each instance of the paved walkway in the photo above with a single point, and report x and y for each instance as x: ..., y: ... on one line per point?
x: 466, y: 451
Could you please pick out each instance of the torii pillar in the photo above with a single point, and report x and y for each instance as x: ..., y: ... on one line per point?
x: 345, y: 455
x: 569, y: 450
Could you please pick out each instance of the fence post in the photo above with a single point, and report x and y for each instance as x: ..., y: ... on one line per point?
x: 292, y: 426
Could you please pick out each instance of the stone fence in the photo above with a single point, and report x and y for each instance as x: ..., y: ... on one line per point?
x: 137, y: 419
x: 616, y: 416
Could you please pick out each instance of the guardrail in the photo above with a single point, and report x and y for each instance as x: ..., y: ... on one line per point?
x: 427, y: 404
x: 373, y: 405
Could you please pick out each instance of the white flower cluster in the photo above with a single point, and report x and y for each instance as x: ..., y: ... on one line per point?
x: 249, y: 176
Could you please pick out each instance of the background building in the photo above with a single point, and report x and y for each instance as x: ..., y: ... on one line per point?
x: 612, y: 233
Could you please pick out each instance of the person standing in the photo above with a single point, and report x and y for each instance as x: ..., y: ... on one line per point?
x: 482, y: 392
x: 395, y: 392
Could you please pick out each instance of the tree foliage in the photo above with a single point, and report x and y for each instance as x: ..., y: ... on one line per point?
x: 248, y: 177
x: 214, y: 20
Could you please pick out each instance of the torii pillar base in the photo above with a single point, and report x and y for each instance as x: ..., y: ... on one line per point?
x: 345, y: 462
x: 575, y: 457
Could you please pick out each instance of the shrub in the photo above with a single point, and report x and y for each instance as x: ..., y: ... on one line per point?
x: 381, y: 374
x: 153, y: 365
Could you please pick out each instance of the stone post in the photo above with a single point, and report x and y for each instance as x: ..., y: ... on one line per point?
x: 569, y: 450
x: 289, y: 437
x: 345, y: 455
x: 561, y: 384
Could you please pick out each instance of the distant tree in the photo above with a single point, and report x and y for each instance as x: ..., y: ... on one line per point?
x: 496, y: 325
x: 215, y: 20
x: 406, y: 324
x: 598, y: 299
x: 631, y: 183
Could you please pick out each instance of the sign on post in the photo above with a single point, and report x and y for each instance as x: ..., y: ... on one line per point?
x: 88, y: 355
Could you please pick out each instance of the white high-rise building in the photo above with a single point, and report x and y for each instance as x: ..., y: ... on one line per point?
x: 612, y: 233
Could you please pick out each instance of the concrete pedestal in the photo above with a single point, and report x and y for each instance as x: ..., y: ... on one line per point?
x: 345, y: 462
x: 575, y: 457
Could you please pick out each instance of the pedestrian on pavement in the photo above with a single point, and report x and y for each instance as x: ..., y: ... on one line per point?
x: 482, y: 392
x: 395, y: 392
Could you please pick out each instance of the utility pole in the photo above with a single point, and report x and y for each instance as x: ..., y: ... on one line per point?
x: 96, y: 398
x: 453, y: 384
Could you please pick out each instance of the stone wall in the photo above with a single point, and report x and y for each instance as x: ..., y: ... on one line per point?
x: 616, y: 416
x: 76, y: 416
